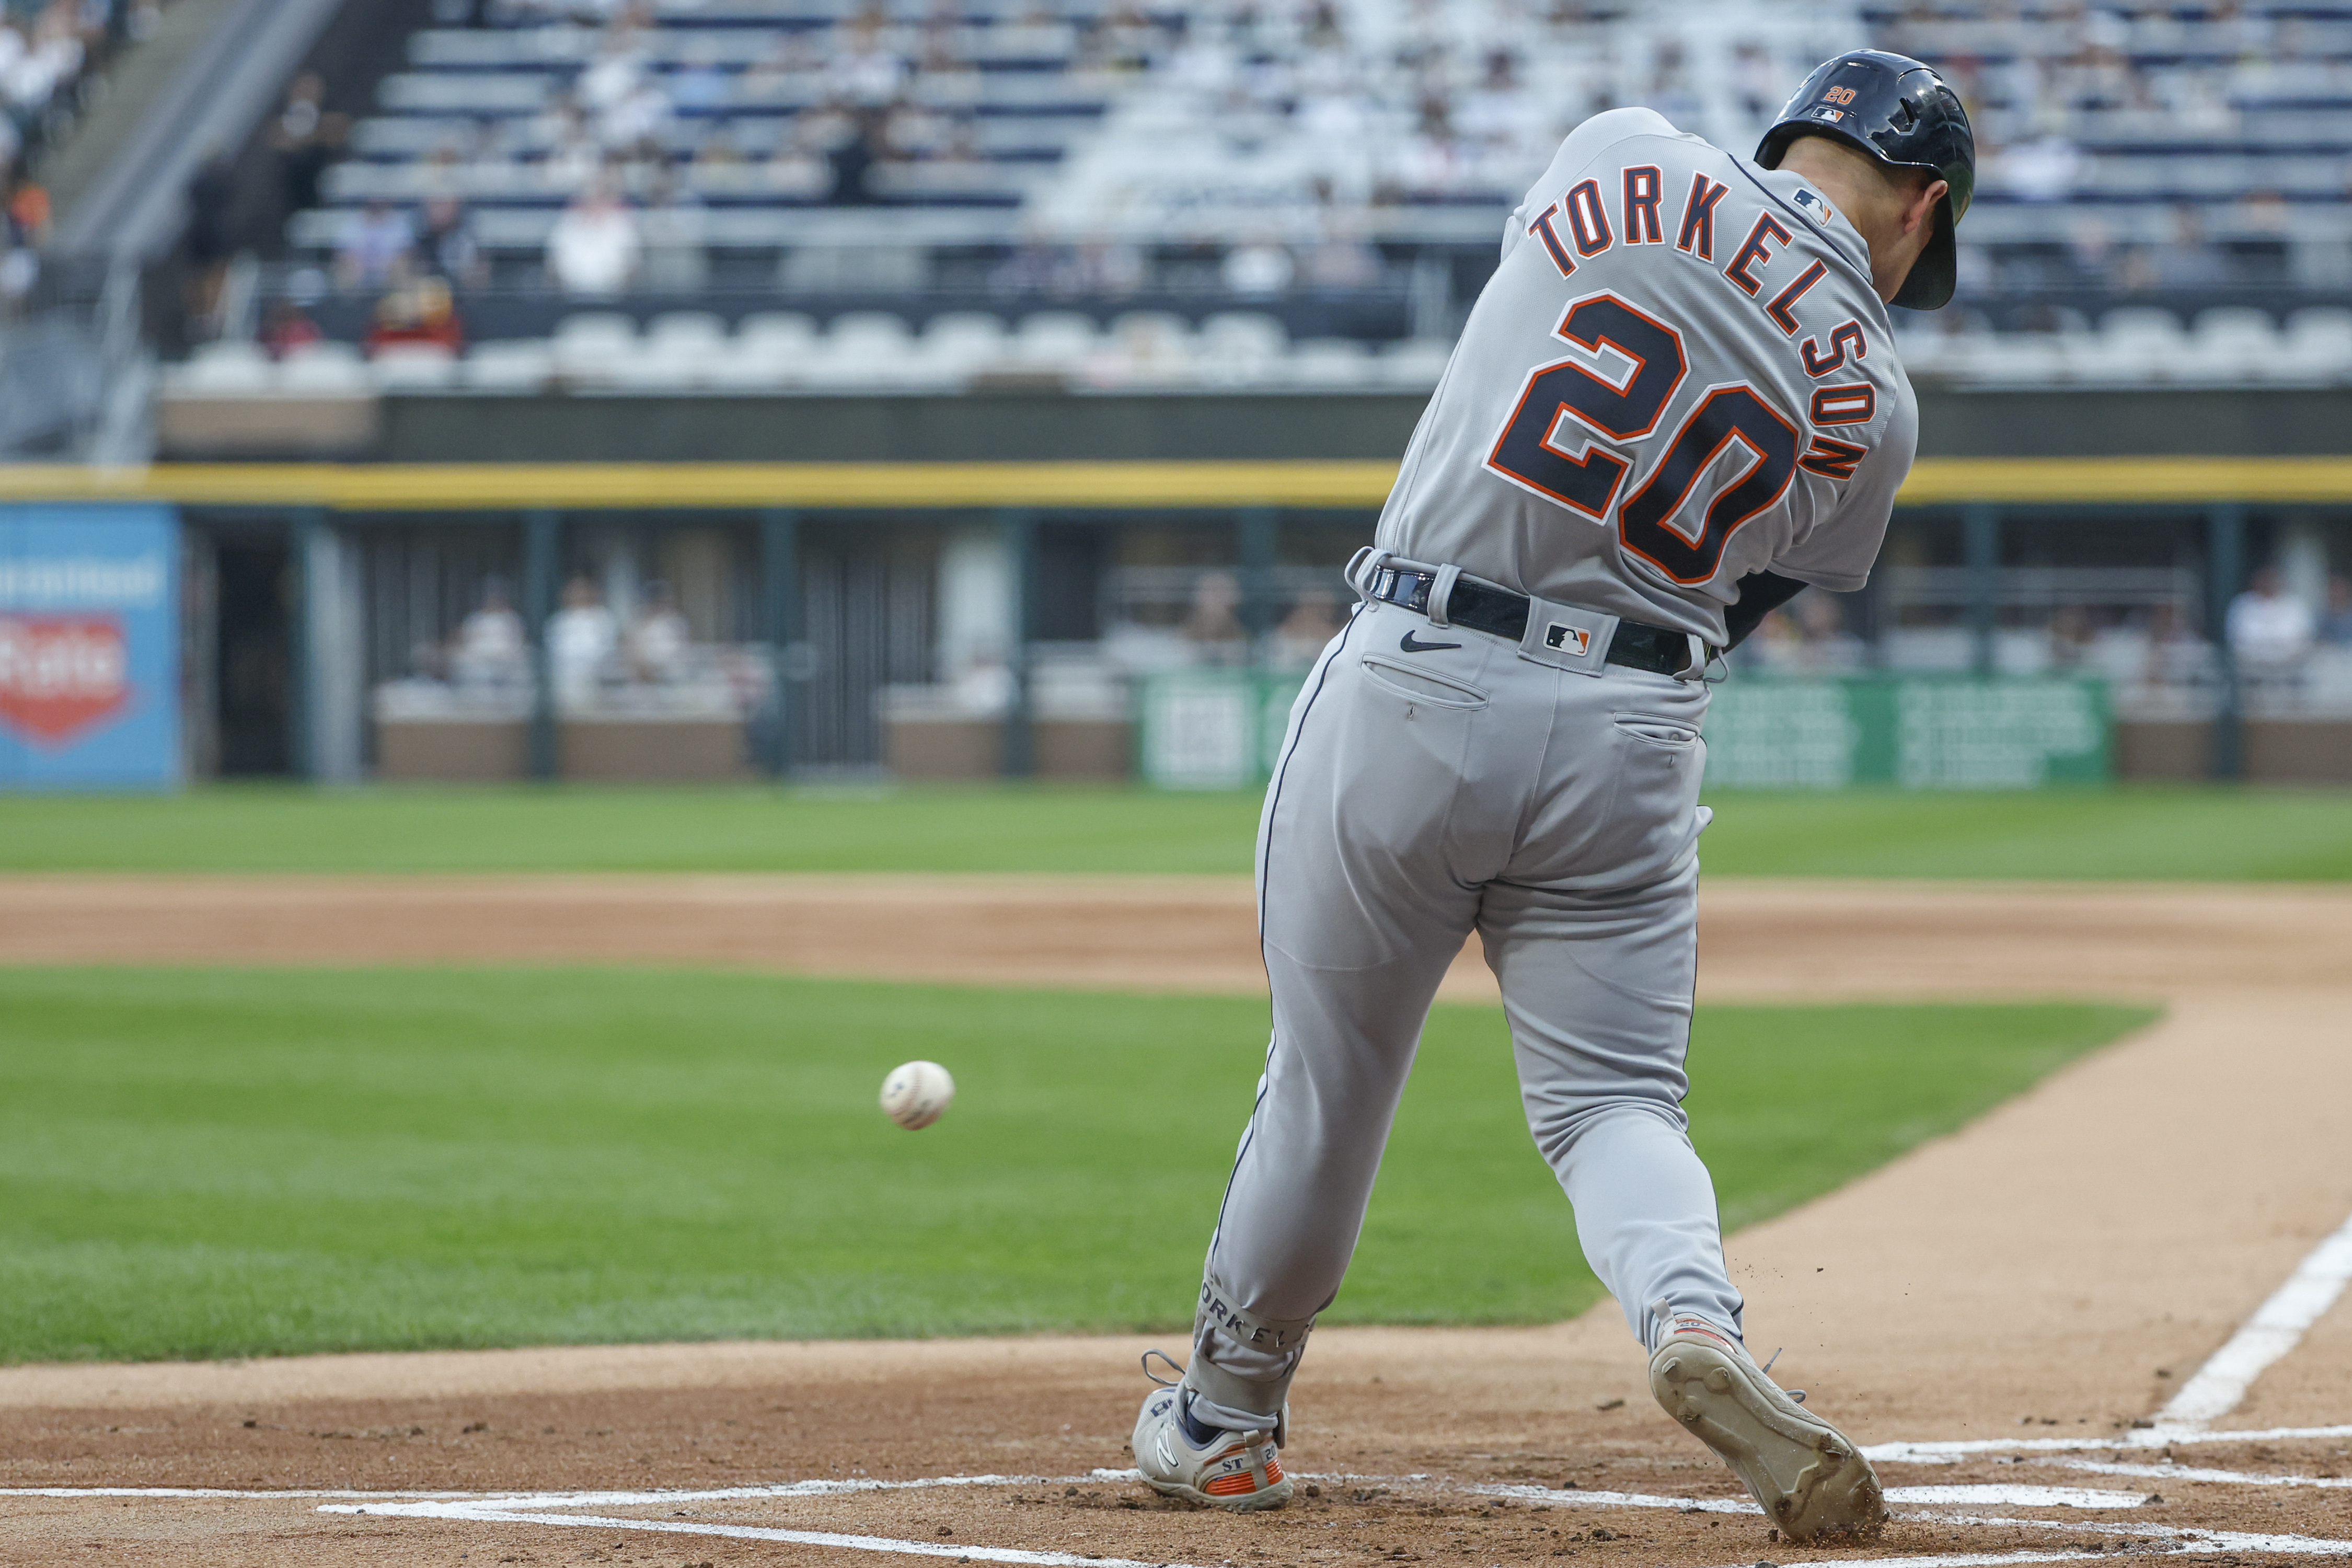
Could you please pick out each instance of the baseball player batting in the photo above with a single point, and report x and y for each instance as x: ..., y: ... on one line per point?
x: 1675, y: 405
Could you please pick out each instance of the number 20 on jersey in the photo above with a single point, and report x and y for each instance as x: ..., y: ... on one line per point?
x: 1539, y: 449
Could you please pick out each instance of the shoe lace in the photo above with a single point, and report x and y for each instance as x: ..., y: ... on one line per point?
x: 1163, y: 1355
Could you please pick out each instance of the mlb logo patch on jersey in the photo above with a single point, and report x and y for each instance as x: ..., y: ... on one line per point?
x: 1812, y: 203
x: 1570, y: 641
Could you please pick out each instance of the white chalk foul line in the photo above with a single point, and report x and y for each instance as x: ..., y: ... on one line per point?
x: 2177, y: 1538
x: 2277, y: 1326
x: 208, y: 1493
x: 1946, y: 1497
x: 2139, y: 1437
x: 485, y: 1513
x: 2191, y: 1473
x: 737, y: 1494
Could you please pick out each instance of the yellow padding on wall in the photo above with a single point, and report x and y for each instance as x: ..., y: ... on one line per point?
x: 1123, y: 486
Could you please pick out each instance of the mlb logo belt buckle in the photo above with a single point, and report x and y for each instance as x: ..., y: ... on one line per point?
x: 1565, y: 637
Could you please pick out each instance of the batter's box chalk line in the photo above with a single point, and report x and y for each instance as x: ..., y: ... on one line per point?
x: 1918, y: 1503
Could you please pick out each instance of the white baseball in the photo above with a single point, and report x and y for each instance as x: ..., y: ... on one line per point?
x: 916, y: 1094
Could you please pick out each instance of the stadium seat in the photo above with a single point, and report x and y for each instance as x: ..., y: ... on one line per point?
x: 772, y: 350
x: 325, y: 368
x: 2317, y: 345
x: 1057, y: 339
x: 518, y: 364
x: 679, y: 350
x: 413, y: 367
x: 226, y: 369
x: 2142, y: 344
x: 959, y: 343
x: 593, y: 347
x: 1329, y: 363
x: 2232, y: 343
x: 1147, y: 348
x: 866, y: 348
x: 1239, y: 347
x: 1415, y: 363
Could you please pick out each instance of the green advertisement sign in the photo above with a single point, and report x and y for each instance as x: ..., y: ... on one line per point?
x: 1223, y: 730
x: 1917, y: 732
x: 1213, y: 729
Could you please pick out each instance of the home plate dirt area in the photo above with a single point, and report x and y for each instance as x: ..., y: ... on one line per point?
x: 2106, y: 1319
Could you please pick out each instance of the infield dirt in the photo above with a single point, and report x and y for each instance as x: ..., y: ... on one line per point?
x: 2057, y: 1267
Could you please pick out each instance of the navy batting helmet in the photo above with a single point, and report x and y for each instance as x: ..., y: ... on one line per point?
x: 1902, y: 114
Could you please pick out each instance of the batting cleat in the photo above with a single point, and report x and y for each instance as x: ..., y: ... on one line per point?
x: 1810, y: 1480
x: 1235, y: 1471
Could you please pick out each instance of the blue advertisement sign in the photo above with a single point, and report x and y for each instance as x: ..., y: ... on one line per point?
x: 89, y: 647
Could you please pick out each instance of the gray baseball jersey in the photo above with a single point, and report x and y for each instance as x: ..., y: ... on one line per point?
x: 1679, y: 374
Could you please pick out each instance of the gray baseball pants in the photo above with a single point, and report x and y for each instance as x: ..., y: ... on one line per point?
x: 1425, y: 792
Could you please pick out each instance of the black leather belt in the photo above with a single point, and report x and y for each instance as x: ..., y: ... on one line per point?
x: 1500, y: 613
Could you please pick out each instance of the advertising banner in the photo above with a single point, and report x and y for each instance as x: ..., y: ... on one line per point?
x: 89, y: 647
x: 1213, y: 729
x: 1223, y: 730
x: 1921, y: 732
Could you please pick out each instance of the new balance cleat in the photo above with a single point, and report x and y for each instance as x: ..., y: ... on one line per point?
x: 1809, y: 1479
x: 1235, y: 1471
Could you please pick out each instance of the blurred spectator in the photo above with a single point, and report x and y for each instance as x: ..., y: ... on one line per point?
x: 984, y: 686
x: 28, y: 212
x: 673, y: 229
x: 582, y: 639
x: 207, y: 240
x: 636, y: 120
x: 865, y: 70
x: 1313, y: 621
x: 2071, y: 637
x: 446, y: 245
x: 853, y: 160
x: 1808, y: 637
x: 373, y: 247
x: 286, y: 328
x: 2189, y: 262
x: 1258, y: 269
x: 594, y: 248
x: 2177, y: 655
x: 659, y: 639
x: 2269, y: 629
x: 27, y: 230
x: 1212, y: 628
x: 1341, y: 262
x: 2043, y: 170
x: 1104, y: 266
x: 699, y: 87
x: 418, y: 314
x: 304, y: 138
x: 2336, y: 627
x: 490, y: 648
x: 1829, y: 647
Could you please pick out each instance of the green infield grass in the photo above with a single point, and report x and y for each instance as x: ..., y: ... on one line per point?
x: 2188, y: 833
x: 217, y: 1163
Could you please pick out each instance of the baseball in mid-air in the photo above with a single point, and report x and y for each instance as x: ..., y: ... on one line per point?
x: 917, y: 1094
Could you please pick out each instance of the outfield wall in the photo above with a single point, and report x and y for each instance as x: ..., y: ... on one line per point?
x: 844, y: 615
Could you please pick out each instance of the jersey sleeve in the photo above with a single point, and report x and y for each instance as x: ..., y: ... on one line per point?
x: 1837, y: 552
x: 1583, y: 144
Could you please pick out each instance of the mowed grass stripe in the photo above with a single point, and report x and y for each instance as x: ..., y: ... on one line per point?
x: 210, y: 1163
x: 2140, y: 832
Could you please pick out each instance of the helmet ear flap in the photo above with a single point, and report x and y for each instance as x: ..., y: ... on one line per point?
x: 1929, y: 284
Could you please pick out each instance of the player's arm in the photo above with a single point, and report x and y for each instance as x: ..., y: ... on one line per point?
x: 1760, y: 594
x: 1837, y: 552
